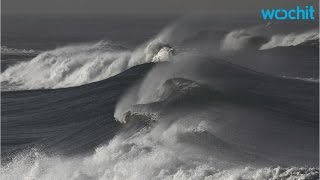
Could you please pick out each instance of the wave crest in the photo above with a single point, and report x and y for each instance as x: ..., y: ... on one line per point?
x: 291, y: 39
x: 80, y: 64
x: 12, y: 51
x: 242, y: 39
x: 251, y: 38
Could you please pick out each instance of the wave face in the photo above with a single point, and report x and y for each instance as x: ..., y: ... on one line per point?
x: 79, y: 64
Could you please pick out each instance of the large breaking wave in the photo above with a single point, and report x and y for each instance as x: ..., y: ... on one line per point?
x: 196, y: 117
x: 80, y: 64
x: 173, y: 129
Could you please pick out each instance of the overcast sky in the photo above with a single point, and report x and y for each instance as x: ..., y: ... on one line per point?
x: 142, y: 6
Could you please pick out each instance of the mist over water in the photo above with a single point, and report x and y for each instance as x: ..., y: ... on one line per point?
x: 196, y: 101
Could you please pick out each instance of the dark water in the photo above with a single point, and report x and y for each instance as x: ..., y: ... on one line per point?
x: 67, y: 120
x: 51, y: 31
x: 92, y: 98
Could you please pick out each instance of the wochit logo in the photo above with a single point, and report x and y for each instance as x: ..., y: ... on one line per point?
x: 297, y: 13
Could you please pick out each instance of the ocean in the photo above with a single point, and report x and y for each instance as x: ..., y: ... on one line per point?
x: 159, y: 97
